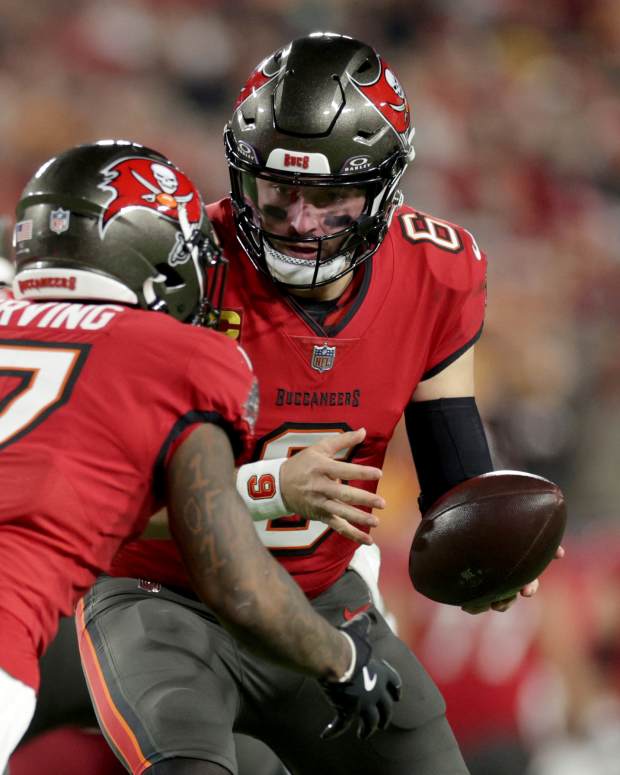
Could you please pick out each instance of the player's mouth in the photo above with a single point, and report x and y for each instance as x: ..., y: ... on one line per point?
x: 297, y: 251
x: 301, y: 251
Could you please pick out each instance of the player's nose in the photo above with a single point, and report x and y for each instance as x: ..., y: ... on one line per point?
x: 304, y: 218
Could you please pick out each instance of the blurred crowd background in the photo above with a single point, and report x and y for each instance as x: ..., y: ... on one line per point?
x: 517, y: 113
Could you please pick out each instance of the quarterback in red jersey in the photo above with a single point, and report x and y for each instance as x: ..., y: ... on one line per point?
x: 355, y: 310
x: 109, y: 411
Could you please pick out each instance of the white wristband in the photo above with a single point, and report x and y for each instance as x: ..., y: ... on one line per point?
x: 347, y: 676
x: 259, y: 485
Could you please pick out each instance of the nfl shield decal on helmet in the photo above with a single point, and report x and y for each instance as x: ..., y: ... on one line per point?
x: 323, y: 357
x: 59, y: 220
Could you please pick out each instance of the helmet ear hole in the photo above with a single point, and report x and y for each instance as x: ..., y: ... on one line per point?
x: 173, y: 278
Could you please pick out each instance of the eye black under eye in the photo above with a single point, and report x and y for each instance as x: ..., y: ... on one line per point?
x: 277, y: 213
x: 338, y: 221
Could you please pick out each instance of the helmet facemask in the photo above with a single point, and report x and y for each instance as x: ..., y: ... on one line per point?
x: 211, y: 267
x: 326, y: 111
x: 352, y: 214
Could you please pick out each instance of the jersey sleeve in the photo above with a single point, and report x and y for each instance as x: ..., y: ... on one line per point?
x: 460, y: 289
x: 221, y: 389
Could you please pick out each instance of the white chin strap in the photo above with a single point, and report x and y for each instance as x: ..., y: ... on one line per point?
x: 300, y: 271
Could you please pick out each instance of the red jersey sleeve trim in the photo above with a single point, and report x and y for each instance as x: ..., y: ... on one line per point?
x: 451, y: 358
x: 181, y: 426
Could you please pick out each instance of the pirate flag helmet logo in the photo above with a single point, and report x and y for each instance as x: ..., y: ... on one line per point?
x: 388, y: 97
x: 136, y: 182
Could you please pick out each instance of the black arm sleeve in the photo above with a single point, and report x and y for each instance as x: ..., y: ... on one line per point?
x: 448, y: 444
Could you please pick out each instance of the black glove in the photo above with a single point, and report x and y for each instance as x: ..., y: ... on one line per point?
x: 368, y: 697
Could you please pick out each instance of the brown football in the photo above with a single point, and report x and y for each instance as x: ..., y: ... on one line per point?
x: 487, y: 538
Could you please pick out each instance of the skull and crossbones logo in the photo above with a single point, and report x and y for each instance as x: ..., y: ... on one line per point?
x: 164, y: 193
x: 135, y: 181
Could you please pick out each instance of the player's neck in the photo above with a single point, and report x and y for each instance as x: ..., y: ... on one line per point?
x: 324, y: 292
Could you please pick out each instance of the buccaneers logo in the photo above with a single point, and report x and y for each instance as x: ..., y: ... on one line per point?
x: 267, y: 69
x: 156, y: 186
x: 387, y: 95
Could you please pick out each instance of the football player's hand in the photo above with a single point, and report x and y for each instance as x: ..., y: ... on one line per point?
x: 366, y: 701
x: 529, y: 590
x: 314, y: 486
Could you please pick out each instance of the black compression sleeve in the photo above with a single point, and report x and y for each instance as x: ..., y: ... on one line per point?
x: 448, y: 444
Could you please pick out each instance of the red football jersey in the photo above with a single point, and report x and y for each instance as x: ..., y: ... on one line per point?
x: 93, y: 400
x: 414, y: 307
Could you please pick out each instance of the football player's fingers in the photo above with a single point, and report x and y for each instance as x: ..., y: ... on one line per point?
x: 395, y: 690
x: 559, y: 553
x: 530, y: 589
x: 385, y: 707
x: 331, y: 445
x: 350, y: 513
x: 354, y: 496
x: 337, y: 469
x: 369, y: 721
x: 347, y: 530
x: 336, y: 726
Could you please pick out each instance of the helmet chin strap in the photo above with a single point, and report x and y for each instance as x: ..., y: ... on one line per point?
x: 299, y: 271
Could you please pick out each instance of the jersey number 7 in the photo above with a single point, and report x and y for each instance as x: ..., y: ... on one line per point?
x: 36, y: 378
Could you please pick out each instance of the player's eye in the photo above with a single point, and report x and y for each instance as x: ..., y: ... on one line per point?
x: 284, y: 191
x: 338, y: 221
x: 276, y: 213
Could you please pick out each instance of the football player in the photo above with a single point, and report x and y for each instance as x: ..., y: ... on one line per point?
x: 355, y: 309
x: 108, y: 411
